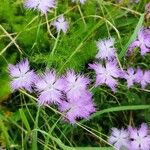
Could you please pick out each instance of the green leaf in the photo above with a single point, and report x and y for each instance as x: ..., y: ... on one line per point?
x: 120, y: 108
x: 24, y: 119
x: 133, y: 36
x: 4, y: 129
x: 4, y: 86
x: 57, y: 140
x: 35, y: 134
x: 132, y: 97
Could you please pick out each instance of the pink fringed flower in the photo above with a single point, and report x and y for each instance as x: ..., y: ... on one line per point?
x: 106, y: 75
x: 142, y: 77
x: 75, y: 85
x: 61, y: 24
x: 140, y: 139
x: 130, y: 76
x: 106, y: 49
x: 21, y: 75
x: 147, y: 7
x: 50, y: 88
x: 81, y: 107
x: 41, y: 5
x: 119, y: 138
x: 141, y: 42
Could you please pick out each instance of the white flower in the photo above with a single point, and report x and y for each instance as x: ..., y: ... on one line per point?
x: 41, y: 5
x: 61, y: 24
x: 75, y: 85
x: 119, y: 138
x: 106, y: 49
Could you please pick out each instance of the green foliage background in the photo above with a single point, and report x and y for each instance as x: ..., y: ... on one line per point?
x: 24, y: 34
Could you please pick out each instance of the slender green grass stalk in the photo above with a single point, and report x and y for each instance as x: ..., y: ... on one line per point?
x: 3, y: 129
x: 24, y: 120
x: 133, y: 36
x: 50, y: 133
x: 55, y: 45
x: 48, y: 27
x: 119, y: 108
x: 53, y: 51
x: 14, y: 39
x: 34, y: 131
x: 82, y: 16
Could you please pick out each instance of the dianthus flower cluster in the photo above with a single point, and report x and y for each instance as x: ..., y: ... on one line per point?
x: 44, y: 6
x: 131, y: 138
x: 108, y: 71
x: 137, y: 76
x: 69, y: 92
x: 142, y: 42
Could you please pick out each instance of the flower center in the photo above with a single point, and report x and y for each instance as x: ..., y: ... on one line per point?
x: 139, y: 139
x: 107, y: 73
x: 50, y: 87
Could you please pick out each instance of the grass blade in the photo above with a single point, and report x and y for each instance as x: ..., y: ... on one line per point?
x: 24, y: 120
x: 3, y: 129
x: 120, y: 108
x: 35, y: 134
x: 141, y: 20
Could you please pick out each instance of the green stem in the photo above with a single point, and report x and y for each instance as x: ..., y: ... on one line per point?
x: 55, y: 45
x: 35, y: 135
x: 53, y: 50
x: 81, y: 14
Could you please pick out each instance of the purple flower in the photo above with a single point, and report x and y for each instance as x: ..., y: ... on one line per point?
x: 119, y: 138
x: 106, y: 75
x: 81, y: 1
x: 142, y: 77
x: 81, y: 107
x: 50, y: 88
x: 130, y: 75
x: 147, y: 7
x: 21, y: 75
x: 61, y: 24
x: 106, y: 49
x: 75, y: 85
x: 140, y: 139
x: 141, y: 42
x: 41, y: 5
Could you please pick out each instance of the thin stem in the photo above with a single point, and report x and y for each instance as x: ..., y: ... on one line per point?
x: 81, y: 14
x: 53, y: 50
x: 94, y: 134
x: 35, y: 133
x: 119, y: 63
x: 11, y: 38
x: 17, y: 35
x: 56, y: 42
x: 64, y: 116
x: 48, y: 27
